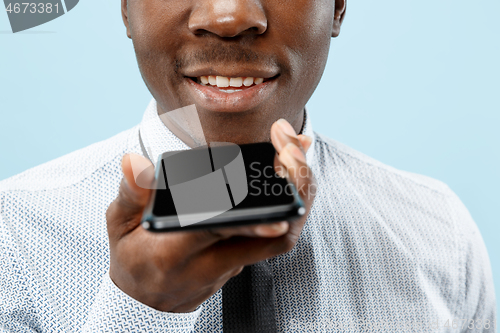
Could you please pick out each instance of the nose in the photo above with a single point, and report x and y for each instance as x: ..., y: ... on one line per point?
x: 228, y: 18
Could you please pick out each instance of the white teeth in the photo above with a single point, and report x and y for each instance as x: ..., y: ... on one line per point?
x: 236, y: 81
x: 222, y: 81
x: 248, y: 81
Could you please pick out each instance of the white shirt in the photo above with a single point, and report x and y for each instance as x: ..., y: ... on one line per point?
x: 382, y: 250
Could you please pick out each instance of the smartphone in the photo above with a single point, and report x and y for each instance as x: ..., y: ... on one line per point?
x: 217, y: 186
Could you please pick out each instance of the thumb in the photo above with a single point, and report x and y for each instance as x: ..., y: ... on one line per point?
x: 133, y: 194
x: 138, y: 172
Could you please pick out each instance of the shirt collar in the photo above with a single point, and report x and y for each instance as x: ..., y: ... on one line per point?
x: 157, y: 138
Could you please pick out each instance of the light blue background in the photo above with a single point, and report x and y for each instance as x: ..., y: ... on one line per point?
x: 414, y: 84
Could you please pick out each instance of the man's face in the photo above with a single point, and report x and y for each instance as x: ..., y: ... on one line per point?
x: 271, y: 53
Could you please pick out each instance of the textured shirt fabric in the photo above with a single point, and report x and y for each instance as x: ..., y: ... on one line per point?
x: 382, y: 250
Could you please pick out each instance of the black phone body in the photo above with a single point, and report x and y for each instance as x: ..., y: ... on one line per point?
x: 220, y: 185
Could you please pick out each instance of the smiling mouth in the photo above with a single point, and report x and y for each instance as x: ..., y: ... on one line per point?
x: 231, y: 94
x: 230, y: 84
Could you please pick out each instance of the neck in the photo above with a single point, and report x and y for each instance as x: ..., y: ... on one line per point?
x: 197, y: 129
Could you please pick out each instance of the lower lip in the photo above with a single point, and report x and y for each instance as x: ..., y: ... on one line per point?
x: 213, y: 99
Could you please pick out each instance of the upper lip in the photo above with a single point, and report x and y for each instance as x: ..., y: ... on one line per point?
x: 236, y: 72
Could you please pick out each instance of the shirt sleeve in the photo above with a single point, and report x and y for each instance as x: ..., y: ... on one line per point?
x: 115, y: 311
x: 18, y: 312
x: 478, y: 304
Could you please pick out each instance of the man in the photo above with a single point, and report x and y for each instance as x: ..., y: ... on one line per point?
x: 380, y: 249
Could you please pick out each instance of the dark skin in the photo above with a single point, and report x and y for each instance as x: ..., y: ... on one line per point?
x: 287, y: 43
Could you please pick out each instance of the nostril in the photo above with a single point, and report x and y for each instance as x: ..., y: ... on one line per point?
x: 253, y: 30
x: 239, y: 18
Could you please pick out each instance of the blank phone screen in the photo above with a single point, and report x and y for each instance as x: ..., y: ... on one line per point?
x: 219, y: 178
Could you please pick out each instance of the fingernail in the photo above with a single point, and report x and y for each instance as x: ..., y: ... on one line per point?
x: 286, y: 127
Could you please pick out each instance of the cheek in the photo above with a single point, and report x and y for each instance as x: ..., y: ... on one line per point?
x: 306, y: 31
x: 150, y: 36
x: 312, y: 31
x: 154, y: 26
x: 305, y: 20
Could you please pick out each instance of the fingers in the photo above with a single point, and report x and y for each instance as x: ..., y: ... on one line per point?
x: 190, y: 242
x: 124, y: 214
x: 282, y: 133
x: 126, y: 211
x: 291, y: 159
x: 297, y: 171
x: 305, y: 141
x: 268, y: 230
x: 243, y: 251
x: 200, y: 239
x: 291, y: 162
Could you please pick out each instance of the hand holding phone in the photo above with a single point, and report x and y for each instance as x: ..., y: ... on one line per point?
x: 177, y: 271
x: 219, y: 186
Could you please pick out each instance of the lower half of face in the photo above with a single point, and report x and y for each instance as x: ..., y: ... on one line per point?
x: 241, y: 76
